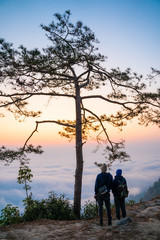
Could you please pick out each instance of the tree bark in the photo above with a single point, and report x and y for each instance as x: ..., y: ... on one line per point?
x: 79, y: 157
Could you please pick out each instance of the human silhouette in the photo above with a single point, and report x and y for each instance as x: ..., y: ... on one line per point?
x: 119, y: 196
x: 103, y: 185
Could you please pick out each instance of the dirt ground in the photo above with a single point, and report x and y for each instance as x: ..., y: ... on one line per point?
x: 142, y: 223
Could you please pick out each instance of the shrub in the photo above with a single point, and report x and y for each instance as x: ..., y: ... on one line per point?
x: 10, y: 215
x: 130, y: 202
x: 60, y: 207
x: 57, y: 208
x: 89, y: 210
x: 34, y: 210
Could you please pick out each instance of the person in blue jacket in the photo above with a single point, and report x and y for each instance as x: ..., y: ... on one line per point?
x: 103, y: 185
x: 119, y: 201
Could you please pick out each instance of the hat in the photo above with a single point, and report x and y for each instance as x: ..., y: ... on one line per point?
x: 119, y: 172
x: 104, y: 167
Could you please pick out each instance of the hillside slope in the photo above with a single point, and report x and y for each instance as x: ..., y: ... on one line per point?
x: 153, y: 191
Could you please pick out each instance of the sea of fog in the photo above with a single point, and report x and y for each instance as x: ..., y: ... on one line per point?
x: 54, y: 171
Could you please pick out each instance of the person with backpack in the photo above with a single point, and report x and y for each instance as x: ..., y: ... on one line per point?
x: 120, y: 192
x: 103, y: 185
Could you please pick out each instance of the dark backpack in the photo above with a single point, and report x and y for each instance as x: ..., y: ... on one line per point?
x: 122, y: 189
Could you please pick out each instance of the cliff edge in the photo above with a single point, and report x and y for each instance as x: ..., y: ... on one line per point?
x: 142, y: 222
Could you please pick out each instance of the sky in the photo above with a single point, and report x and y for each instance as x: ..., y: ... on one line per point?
x: 129, y: 35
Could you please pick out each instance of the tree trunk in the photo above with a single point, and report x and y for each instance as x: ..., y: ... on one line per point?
x: 79, y: 157
x: 25, y: 186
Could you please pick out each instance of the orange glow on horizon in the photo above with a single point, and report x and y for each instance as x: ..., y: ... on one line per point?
x: 15, y: 133
x: 18, y: 133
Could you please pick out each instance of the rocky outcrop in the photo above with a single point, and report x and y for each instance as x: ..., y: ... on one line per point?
x: 150, y: 212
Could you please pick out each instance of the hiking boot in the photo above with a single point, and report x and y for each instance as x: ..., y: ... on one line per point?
x: 101, y: 223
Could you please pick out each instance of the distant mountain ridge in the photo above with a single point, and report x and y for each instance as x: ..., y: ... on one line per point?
x: 152, y: 192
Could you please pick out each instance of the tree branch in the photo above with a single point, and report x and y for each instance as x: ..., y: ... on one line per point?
x: 85, y: 109
x: 33, y: 94
x: 13, y: 101
x: 111, y: 101
x: 120, y: 103
x: 110, y: 78
x: 87, y: 80
x: 45, y: 121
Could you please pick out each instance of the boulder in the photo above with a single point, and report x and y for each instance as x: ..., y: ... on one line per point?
x: 150, y: 212
x: 123, y: 221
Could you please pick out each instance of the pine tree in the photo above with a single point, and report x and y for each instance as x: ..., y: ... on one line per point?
x: 70, y: 65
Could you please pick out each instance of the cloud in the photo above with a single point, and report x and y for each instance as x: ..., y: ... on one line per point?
x: 134, y: 191
x: 3, y: 202
x: 10, y: 193
x: 55, y: 175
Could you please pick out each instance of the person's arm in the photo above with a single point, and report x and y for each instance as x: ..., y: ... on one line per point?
x: 126, y: 183
x: 114, y: 187
x: 96, y: 186
x: 110, y: 182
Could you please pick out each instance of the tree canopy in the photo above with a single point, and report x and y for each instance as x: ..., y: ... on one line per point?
x: 65, y: 68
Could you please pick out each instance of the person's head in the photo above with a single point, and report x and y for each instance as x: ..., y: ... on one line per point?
x: 119, y: 172
x: 103, y: 167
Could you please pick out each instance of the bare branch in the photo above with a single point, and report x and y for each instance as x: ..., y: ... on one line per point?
x: 120, y: 103
x: 87, y: 80
x: 34, y: 94
x: 45, y: 121
x: 85, y: 109
x: 109, y: 100
x: 13, y: 101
